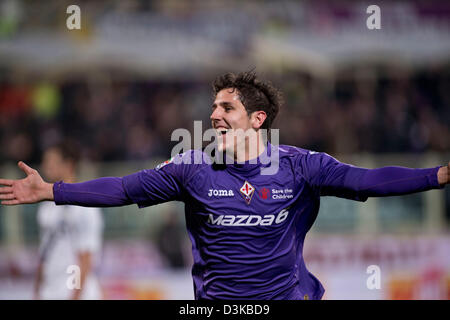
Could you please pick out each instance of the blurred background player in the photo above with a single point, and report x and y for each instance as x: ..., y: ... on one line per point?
x: 70, y: 235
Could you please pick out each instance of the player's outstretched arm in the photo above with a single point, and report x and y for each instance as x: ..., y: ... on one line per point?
x: 31, y: 189
x: 391, y: 181
x: 335, y: 178
x: 145, y: 188
x: 444, y: 175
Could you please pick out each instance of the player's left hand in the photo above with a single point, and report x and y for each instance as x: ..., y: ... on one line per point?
x: 444, y: 175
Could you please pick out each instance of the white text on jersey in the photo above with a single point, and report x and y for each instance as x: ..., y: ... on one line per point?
x: 220, y: 193
x: 249, y: 220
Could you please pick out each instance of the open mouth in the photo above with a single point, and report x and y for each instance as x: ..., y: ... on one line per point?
x: 222, y: 131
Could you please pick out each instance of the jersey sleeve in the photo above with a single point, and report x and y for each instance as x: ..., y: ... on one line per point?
x: 164, y: 183
x: 331, y: 177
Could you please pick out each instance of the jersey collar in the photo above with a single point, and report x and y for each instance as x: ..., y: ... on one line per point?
x: 253, y: 166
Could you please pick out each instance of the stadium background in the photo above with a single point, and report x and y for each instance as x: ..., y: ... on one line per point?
x: 137, y: 70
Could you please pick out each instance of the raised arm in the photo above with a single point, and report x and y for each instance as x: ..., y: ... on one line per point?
x: 145, y: 188
x: 391, y: 181
x: 334, y: 178
x: 102, y: 192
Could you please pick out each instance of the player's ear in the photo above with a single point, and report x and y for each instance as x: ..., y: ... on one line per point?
x: 258, y: 118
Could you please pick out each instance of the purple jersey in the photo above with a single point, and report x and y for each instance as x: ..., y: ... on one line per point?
x: 247, y: 229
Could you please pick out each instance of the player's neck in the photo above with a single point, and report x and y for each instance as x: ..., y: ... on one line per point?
x: 253, y: 149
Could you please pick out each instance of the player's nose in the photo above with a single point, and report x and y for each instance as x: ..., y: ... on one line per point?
x: 216, y: 114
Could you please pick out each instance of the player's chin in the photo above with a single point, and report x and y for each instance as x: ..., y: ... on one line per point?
x: 221, y: 143
x: 225, y: 148
x: 221, y: 147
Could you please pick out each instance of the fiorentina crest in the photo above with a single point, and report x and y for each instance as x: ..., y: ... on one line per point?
x: 247, y: 191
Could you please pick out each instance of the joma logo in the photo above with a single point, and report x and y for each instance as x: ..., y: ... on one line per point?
x: 220, y: 193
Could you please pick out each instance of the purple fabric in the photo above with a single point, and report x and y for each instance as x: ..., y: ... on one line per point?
x: 103, y: 192
x: 250, y: 245
x: 334, y: 178
x: 393, y: 181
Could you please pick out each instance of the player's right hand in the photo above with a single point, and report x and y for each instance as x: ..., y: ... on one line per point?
x: 31, y: 189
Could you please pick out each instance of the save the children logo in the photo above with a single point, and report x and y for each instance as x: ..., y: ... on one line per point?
x: 264, y: 193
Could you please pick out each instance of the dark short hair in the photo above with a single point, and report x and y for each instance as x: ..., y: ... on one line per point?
x: 255, y: 94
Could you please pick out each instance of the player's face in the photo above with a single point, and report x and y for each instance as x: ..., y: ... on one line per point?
x: 229, y: 115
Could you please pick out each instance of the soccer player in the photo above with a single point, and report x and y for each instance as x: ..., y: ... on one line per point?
x: 247, y: 228
x: 70, y: 236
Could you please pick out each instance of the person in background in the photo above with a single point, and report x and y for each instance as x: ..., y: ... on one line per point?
x: 70, y: 236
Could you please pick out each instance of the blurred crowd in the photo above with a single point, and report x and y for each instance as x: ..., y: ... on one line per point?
x: 381, y: 111
x: 130, y: 115
x: 124, y: 118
